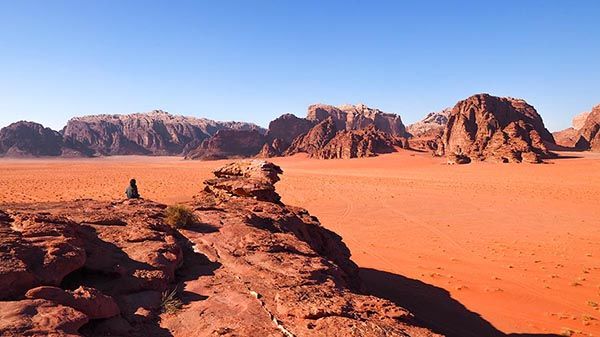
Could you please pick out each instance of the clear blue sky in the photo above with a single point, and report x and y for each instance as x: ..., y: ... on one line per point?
x: 253, y: 60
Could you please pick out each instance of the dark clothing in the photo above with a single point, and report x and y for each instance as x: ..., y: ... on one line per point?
x: 132, y: 192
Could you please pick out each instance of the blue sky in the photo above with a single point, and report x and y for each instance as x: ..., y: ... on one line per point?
x: 253, y: 60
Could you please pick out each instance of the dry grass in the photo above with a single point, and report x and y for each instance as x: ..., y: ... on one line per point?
x: 170, y: 302
x: 179, y: 216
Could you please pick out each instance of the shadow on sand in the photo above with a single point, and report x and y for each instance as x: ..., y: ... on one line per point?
x: 433, y: 307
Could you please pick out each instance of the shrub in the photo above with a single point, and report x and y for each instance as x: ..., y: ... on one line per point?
x: 179, y: 216
x: 170, y: 302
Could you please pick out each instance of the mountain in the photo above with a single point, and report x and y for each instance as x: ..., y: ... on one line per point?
x: 28, y: 139
x: 153, y: 133
x: 485, y: 127
x: 355, y: 117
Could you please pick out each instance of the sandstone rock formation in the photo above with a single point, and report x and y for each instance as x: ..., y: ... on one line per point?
x: 28, y: 139
x: 229, y: 144
x: 287, y: 127
x: 250, y: 266
x: 315, y: 139
x: 326, y: 141
x: 153, y: 133
x: 432, y: 125
x: 569, y: 137
x: 485, y: 127
x: 426, y: 134
x: 366, y: 142
x: 355, y: 117
x: 590, y: 131
x: 579, y: 121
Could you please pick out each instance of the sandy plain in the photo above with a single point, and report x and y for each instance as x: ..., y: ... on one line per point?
x: 475, y: 250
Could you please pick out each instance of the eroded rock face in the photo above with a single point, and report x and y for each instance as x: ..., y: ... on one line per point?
x: 229, y: 144
x: 287, y: 127
x: 153, y: 133
x: 579, y: 120
x: 485, y: 127
x: 355, y: 117
x: 432, y: 125
x: 315, y: 139
x: 366, y: 142
x: 249, y: 266
x: 590, y: 131
x: 27, y: 139
x: 426, y: 134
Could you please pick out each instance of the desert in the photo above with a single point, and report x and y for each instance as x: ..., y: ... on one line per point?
x: 483, y: 249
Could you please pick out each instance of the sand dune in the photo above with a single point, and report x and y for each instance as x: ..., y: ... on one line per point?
x: 498, y: 248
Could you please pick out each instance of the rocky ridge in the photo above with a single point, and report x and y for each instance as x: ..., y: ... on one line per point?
x: 248, y: 266
x: 28, y: 139
x: 153, y: 133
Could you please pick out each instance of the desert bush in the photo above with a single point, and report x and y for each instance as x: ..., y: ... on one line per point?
x: 179, y: 216
x: 170, y: 302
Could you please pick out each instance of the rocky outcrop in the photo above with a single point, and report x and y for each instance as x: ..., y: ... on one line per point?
x: 485, y: 127
x: 355, y: 117
x: 89, y: 301
x: 315, y: 139
x: 426, y: 134
x: 287, y: 127
x: 153, y: 133
x: 254, y: 178
x: 590, y: 131
x: 366, y: 142
x: 28, y: 139
x: 248, y: 266
x: 229, y: 144
x: 569, y: 137
x: 432, y: 125
x: 326, y: 141
x: 578, y: 121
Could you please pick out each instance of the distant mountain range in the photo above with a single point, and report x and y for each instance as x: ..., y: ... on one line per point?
x: 480, y: 127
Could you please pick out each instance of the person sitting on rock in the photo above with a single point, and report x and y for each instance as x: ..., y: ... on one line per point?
x: 132, y: 190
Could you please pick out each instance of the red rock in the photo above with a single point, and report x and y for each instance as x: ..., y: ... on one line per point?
x: 590, y: 131
x: 153, y: 133
x: 89, y: 301
x: 36, y: 250
x: 315, y: 139
x: 366, y: 142
x: 255, y: 178
x: 494, y: 128
x: 355, y: 117
x: 39, y: 318
x: 229, y: 144
x: 27, y: 139
x: 287, y: 127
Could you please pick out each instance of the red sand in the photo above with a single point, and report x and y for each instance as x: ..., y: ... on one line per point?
x: 517, y: 244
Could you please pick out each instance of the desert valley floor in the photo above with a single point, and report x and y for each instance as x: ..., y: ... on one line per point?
x: 494, y: 248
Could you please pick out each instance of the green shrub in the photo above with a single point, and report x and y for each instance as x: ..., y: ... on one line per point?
x: 179, y: 216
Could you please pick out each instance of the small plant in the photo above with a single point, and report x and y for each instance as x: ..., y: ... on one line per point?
x: 170, y: 302
x: 179, y: 216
